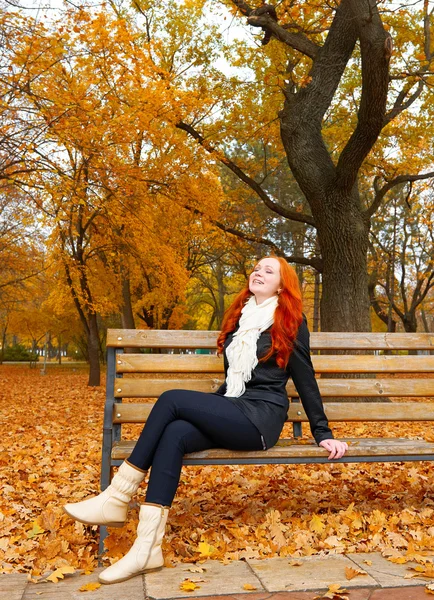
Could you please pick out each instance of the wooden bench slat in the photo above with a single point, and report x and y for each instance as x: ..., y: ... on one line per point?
x: 169, y: 363
x: 195, y: 363
x: 157, y: 338
x: 289, y: 448
x: 152, y: 388
x: 336, y: 411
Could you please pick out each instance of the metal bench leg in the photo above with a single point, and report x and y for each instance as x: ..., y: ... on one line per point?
x: 107, y: 440
x: 103, y: 533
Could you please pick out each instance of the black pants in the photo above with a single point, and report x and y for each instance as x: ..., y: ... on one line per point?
x: 184, y: 421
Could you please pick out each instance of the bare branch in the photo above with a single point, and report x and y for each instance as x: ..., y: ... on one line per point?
x: 276, y: 208
x: 298, y: 41
x: 381, y: 192
x: 316, y: 263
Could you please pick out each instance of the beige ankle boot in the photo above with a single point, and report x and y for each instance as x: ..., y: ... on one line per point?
x: 111, y: 506
x: 145, y: 554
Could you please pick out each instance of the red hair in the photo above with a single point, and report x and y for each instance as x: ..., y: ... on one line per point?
x: 287, y: 317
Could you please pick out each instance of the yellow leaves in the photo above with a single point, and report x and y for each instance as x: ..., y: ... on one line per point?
x: 206, y: 550
x: 421, y: 571
x: 429, y: 588
x: 231, y: 518
x: 90, y: 587
x: 188, y: 586
x: 316, y: 524
x: 350, y: 573
x: 60, y: 574
x: 305, y: 80
x: 334, y: 592
x: 196, y: 569
x: 249, y: 587
x: 393, y: 555
x: 35, y: 530
x: 276, y: 527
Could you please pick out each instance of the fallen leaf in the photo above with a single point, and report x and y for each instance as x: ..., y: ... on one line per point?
x: 249, y: 587
x: 196, y: 569
x: 295, y: 563
x: 350, y: 573
x: 188, y: 586
x: 422, y: 571
x: 206, y: 549
x: 36, y: 530
x: 90, y: 587
x: 334, y: 592
x: 316, y: 525
x: 368, y: 562
x: 59, y: 574
x: 429, y: 588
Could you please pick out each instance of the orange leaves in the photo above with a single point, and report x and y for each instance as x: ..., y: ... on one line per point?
x: 206, y: 550
x: 334, y: 592
x: 276, y: 528
x: 220, y: 513
x: 188, y: 585
x: 316, y: 524
x: 422, y: 571
x: 249, y: 587
x: 35, y: 530
x: 90, y: 587
x: 60, y: 574
x: 350, y: 573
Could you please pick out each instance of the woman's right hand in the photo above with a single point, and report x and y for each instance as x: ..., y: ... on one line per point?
x: 336, y: 448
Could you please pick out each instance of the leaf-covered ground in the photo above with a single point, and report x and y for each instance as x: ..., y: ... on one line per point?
x: 50, y: 442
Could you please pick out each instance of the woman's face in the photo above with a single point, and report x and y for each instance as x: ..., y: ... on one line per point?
x: 264, y: 281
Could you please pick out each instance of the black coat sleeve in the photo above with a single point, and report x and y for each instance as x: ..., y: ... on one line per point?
x: 303, y: 375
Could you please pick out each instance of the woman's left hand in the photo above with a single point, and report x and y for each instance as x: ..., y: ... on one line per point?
x: 336, y: 448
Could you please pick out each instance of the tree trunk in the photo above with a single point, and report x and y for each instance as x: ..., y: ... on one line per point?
x: 425, y: 321
x: 3, y: 348
x: 93, y: 350
x: 316, y: 302
x: 410, y: 322
x: 127, y: 316
x: 221, y: 294
x: 343, y: 238
x: 343, y: 232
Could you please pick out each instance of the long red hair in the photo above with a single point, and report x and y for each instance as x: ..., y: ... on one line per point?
x: 287, y: 317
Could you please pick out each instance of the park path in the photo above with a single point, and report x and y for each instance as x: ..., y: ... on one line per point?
x: 270, y: 579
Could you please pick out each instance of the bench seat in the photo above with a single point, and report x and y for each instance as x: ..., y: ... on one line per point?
x: 290, y: 451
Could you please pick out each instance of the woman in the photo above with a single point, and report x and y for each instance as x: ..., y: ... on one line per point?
x: 265, y: 341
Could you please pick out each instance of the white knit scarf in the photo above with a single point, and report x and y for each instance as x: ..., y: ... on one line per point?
x: 241, y: 352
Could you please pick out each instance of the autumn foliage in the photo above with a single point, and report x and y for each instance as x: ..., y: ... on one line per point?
x: 50, y: 455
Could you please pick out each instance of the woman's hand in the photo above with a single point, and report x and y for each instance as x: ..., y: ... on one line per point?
x: 336, y: 448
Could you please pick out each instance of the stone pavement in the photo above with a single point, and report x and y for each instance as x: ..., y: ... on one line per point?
x: 270, y: 579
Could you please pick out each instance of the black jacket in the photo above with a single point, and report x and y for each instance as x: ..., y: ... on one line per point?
x: 268, y: 384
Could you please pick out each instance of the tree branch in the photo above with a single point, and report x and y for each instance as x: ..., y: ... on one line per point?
x: 376, y: 49
x: 399, y: 105
x: 381, y: 192
x: 276, y: 208
x: 298, y: 41
x: 316, y: 263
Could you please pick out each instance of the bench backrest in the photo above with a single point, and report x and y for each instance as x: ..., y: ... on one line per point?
x: 369, y: 374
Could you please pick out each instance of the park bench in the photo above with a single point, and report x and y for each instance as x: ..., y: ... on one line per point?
x: 146, y: 375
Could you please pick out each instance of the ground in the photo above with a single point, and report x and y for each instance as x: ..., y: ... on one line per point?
x: 50, y: 450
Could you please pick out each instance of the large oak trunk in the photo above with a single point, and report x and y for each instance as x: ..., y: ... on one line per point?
x: 343, y: 238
